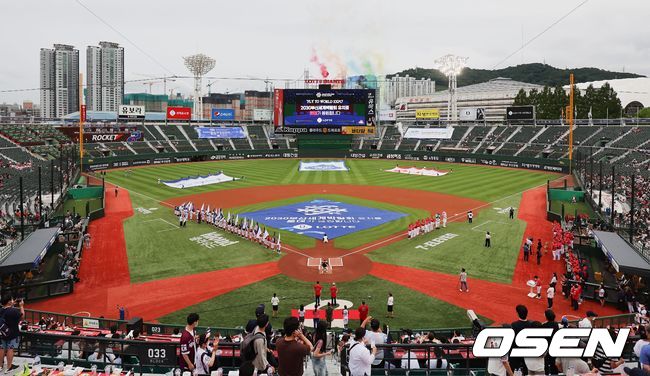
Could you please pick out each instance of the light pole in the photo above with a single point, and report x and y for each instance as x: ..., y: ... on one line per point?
x: 451, y: 66
x: 199, y: 65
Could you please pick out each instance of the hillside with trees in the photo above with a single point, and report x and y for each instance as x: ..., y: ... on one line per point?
x: 535, y: 73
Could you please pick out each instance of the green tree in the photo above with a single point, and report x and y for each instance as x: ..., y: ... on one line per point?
x: 522, y: 98
x: 645, y: 113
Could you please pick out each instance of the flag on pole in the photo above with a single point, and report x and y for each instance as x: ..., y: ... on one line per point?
x: 237, y: 219
x: 266, y: 234
x: 228, y: 219
x: 245, y: 224
x: 589, y: 114
x: 203, y: 208
x: 208, y: 208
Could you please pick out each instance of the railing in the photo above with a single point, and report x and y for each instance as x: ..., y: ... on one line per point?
x: 40, y: 290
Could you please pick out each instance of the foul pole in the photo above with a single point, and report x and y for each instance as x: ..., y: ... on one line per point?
x: 82, y: 118
x: 570, y: 118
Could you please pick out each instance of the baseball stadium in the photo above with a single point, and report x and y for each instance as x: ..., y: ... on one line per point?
x: 450, y: 221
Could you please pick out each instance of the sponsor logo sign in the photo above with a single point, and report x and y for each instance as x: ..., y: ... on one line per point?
x: 261, y: 114
x: 223, y: 114
x: 220, y: 132
x: 90, y: 323
x: 130, y: 112
x: 427, y: 113
x: 520, y: 113
x: 319, y: 217
x: 387, y: 115
x: 179, y: 113
x: 535, y: 342
x: 357, y: 130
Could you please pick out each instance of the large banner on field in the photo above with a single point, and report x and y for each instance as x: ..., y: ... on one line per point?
x: 220, y: 132
x: 318, y: 218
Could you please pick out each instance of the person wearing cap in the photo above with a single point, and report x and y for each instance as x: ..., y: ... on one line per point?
x: 250, y: 326
x: 360, y: 358
x: 376, y: 336
x: 204, y: 358
x: 587, y: 322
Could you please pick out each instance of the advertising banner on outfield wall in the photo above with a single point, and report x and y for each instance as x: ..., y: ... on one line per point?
x: 520, y: 113
x: 179, y: 113
x: 427, y: 113
x: 429, y: 133
x: 220, y: 132
x: 387, y: 115
x: 223, y: 114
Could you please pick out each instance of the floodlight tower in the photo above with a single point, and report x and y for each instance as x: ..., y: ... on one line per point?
x: 451, y: 66
x: 199, y: 65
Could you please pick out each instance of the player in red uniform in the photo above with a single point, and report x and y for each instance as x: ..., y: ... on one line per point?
x: 317, y: 290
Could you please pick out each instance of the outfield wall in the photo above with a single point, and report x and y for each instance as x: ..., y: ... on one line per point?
x: 96, y: 164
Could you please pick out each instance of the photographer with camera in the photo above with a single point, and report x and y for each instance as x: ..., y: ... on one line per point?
x: 10, y: 317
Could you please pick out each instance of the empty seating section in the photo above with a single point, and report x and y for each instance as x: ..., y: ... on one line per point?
x: 118, y: 148
x: 390, y: 139
x: 580, y: 134
x: 258, y: 137
x: 476, y: 135
x: 499, y: 135
x: 634, y: 138
x: 142, y: 147
x: 151, y: 133
x: 408, y: 144
x: 241, y: 143
x: 606, y: 135
x: 182, y: 145
x: 524, y: 134
x: 459, y: 132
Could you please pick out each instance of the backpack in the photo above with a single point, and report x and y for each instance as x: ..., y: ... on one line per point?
x: 248, y: 347
x: 4, y: 328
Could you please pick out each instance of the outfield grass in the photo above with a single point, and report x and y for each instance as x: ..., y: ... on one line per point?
x: 412, y: 309
x: 466, y: 250
x: 471, y: 181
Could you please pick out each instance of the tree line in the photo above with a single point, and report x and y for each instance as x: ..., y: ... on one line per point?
x: 551, y: 102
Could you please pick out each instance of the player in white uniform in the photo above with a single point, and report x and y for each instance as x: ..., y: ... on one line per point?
x: 444, y: 219
x: 346, y: 316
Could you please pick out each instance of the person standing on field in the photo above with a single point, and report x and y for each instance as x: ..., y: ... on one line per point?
x: 390, y: 305
x: 470, y: 216
x: 463, y: 281
x: 275, y: 303
x: 333, y: 292
x: 317, y: 290
x: 488, y: 239
x: 550, y: 294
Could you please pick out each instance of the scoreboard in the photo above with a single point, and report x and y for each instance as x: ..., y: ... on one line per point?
x: 324, y: 111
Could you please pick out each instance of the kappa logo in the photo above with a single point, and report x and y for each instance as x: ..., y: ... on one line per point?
x: 322, y: 210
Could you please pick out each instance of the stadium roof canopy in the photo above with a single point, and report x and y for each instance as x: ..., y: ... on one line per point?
x: 112, y: 116
x: 628, y: 89
x: 496, y: 88
x: 622, y: 256
x: 30, y: 252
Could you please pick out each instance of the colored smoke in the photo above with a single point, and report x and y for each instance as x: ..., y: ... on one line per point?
x: 321, y: 65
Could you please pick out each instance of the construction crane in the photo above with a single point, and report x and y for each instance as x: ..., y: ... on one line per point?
x: 163, y: 79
